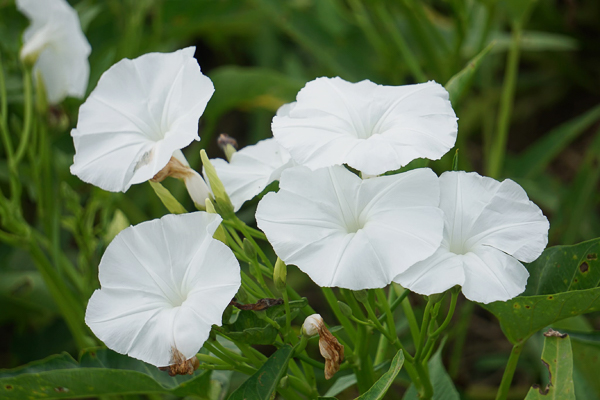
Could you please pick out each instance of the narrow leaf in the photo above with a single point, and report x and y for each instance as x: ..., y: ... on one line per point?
x: 380, y: 388
x: 459, y: 83
x: 558, y: 358
x: 263, y: 383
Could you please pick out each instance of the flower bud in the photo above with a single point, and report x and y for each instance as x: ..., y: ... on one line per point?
x: 283, y: 383
x: 361, y: 295
x: 312, y: 324
x: 216, y: 185
x: 329, y: 347
x: 345, y: 309
x: 280, y: 275
x: 228, y: 145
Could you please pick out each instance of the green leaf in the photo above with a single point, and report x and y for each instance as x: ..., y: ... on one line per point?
x: 586, y: 364
x: 263, y: 383
x: 558, y: 358
x: 250, y: 329
x: 460, y: 82
x: 563, y: 283
x: 538, y: 156
x: 536, y: 41
x: 167, y: 198
x: 100, y: 372
x: 443, y: 387
x: 247, y: 88
x: 380, y: 388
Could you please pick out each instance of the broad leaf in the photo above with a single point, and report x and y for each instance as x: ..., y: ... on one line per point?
x: 380, y: 388
x: 443, y: 387
x: 563, y: 283
x: 263, y: 383
x: 558, y: 358
x: 460, y: 82
x: 586, y: 364
x: 100, y: 372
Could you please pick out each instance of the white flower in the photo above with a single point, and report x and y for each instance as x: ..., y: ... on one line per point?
x: 489, y: 226
x: 251, y: 169
x: 372, y: 128
x: 141, y: 112
x: 164, y: 283
x: 55, y: 42
x: 346, y: 232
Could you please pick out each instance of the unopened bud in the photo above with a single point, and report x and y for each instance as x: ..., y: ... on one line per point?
x: 345, y: 309
x: 249, y: 249
x: 228, y: 145
x: 329, y: 347
x: 216, y: 186
x: 280, y: 275
x: 312, y: 324
x: 283, y: 383
x: 361, y: 295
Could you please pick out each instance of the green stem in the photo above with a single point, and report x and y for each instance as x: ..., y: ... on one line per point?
x: 332, y: 301
x: 461, y: 329
x: 410, y: 317
x: 424, y: 325
x: 433, y: 337
x: 498, y: 150
x: 509, y: 371
x: 288, y: 317
x: 28, y: 116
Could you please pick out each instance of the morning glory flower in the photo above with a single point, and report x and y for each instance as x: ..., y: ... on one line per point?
x: 55, y: 43
x: 251, y: 169
x: 352, y: 233
x: 489, y: 227
x: 164, y: 283
x: 370, y: 127
x: 141, y: 112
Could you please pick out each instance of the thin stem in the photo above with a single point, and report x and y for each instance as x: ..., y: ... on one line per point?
x: 498, y: 150
x: 28, y: 115
x: 423, y: 333
x: 509, y: 371
x: 288, y: 315
x: 332, y: 301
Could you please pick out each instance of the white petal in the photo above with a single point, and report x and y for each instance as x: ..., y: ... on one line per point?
x: 438, y: 273
x: 164, y: 283
x: 251, y: 170
x: 483, y: 211
x: 62, y: 50
x: 370, y: 127
x: 140, y: 113
x: 346, y: 232
x: 491, y: 275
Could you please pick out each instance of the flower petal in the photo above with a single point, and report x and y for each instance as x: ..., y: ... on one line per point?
x: 251, y: 169
x: 161, y: 288
x: 436, y: 274
x: 482, y: 211
x: 346, y: 232
x: 55, y: 39
x: 140, y: 113
x: 370, y: 127
x: 491, y: 275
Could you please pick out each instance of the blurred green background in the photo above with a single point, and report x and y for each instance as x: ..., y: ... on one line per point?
x: 530, y: 113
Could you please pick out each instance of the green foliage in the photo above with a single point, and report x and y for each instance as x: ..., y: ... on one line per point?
x: 558, y: 359
x: 99, y: 372
x: 263, y: 383
x: 460, y: 82
x: 380, y: 388
x: 443, y: 387
x: 563, y: 283
x: 169, y: 201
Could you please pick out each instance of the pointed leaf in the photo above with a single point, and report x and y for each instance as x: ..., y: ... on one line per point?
x: 563, y: 283
x: 100, y: 372
x: 380, y: 388
x: 460, y: 82
x: 443, y: 387
x: 263, y: 383
x: 558, y: 358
